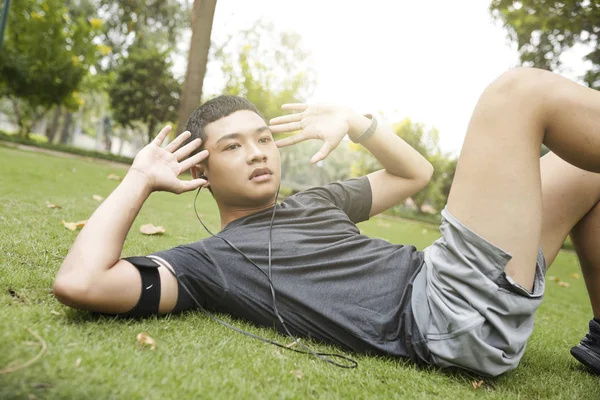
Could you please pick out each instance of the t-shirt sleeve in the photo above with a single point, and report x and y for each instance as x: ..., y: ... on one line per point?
x: 353, y: 196
x: 194, y: 268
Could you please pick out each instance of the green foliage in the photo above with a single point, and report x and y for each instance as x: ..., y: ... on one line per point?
x: 426, y: 142
x: 544, y: 29
x: 144, y: 89
x: 266, y: 66
x: 130, y: 21
x: 46, y: 54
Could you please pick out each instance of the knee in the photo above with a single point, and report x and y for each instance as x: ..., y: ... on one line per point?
x: 70, y: 291
x: 521, y: 84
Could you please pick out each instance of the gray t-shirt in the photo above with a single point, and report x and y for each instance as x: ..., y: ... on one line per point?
x: 332, y: 283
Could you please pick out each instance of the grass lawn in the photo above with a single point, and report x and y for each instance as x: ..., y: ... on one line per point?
x: 92, y: 357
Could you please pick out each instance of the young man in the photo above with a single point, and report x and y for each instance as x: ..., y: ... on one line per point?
x: 468, y: 300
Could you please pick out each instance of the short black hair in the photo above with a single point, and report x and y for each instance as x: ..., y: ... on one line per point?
x: 213, y: 110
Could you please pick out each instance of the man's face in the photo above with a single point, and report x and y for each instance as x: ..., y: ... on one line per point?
x: 243, y: 166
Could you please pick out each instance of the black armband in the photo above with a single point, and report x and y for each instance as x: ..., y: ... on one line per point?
x: 150, y: 297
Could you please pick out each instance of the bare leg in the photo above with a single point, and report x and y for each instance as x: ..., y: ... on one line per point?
x: 497, y: 188
x: 570, y: 203
x: 585, y: 239
x: 568, y: 194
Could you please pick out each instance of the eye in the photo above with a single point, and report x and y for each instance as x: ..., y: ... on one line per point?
x: 265, y: 139
x: 232, y: 146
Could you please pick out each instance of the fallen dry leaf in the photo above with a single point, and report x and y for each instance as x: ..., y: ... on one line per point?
x: 78, y: 362
x: 149, y: 229
x: 297, y: 373
x: 114, y: 177
x: 146, y: 340
x: 97, y: 197
x: 477, y: 384
x: 554, y: 278
x: 294, y: 343
x: 50, y: 205
x: 564, y: 284
x: 575, y: 275
x: 72, y: 226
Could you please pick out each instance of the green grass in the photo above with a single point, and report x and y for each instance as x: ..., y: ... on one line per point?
x: 196, y: 357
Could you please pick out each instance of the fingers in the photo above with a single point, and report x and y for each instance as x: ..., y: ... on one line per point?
x: 187, y: 149
x: 288, y: 141
x: 162, y: 135
x: 178, y: 141
x: 195, y: 160
x: 322, y: 153
x: 194, y: 184
x: 291, y: 127
x: 286, y: 118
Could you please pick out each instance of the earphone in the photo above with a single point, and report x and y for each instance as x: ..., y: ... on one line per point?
x: 322, y: 356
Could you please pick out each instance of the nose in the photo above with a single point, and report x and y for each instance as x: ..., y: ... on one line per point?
x: 255, y: 154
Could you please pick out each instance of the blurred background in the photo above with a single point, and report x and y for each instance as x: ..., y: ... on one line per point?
x: 101, y: 77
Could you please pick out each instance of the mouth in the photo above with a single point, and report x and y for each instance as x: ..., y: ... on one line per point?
x: 258, y: 172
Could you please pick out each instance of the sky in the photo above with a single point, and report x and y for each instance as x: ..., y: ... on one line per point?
x: 426, y: 60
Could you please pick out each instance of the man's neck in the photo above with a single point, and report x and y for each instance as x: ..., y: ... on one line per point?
x: 231, y: 213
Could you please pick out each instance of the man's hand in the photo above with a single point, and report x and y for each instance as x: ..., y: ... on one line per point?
x: 325, y: 122
x: 160, y: 167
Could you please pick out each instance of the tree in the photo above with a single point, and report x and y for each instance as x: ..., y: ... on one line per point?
x: 266, y: 66
x: 191, y: 96
x: 144, y: 89
x: 544, y: 29
x: 46, y: 54
x: 125, y: 22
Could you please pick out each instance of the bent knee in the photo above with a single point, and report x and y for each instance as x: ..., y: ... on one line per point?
x: 521, y: 85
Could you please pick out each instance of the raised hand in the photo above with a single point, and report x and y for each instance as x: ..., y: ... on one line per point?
x: 325, y: 122
x: 162, y: 166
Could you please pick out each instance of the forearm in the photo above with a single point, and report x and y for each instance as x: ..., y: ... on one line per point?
x: 98, y: 246
x: 395, y: 155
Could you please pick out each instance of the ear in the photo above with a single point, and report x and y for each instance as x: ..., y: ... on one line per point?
x: 198, y: 172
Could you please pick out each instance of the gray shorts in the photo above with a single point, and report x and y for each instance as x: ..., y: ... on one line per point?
x: 471, y: 314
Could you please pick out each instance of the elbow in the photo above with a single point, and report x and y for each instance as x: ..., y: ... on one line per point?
x: 426, y: 175
x: 70, y: 290
x: 429, y: 170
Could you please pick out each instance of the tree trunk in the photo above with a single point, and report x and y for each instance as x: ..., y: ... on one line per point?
x: 151, y: 127
x: 53, y: 126
x: 22, y: 130
x: 202, y: 20
x: 121, y: 143
x: 64, y: 135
